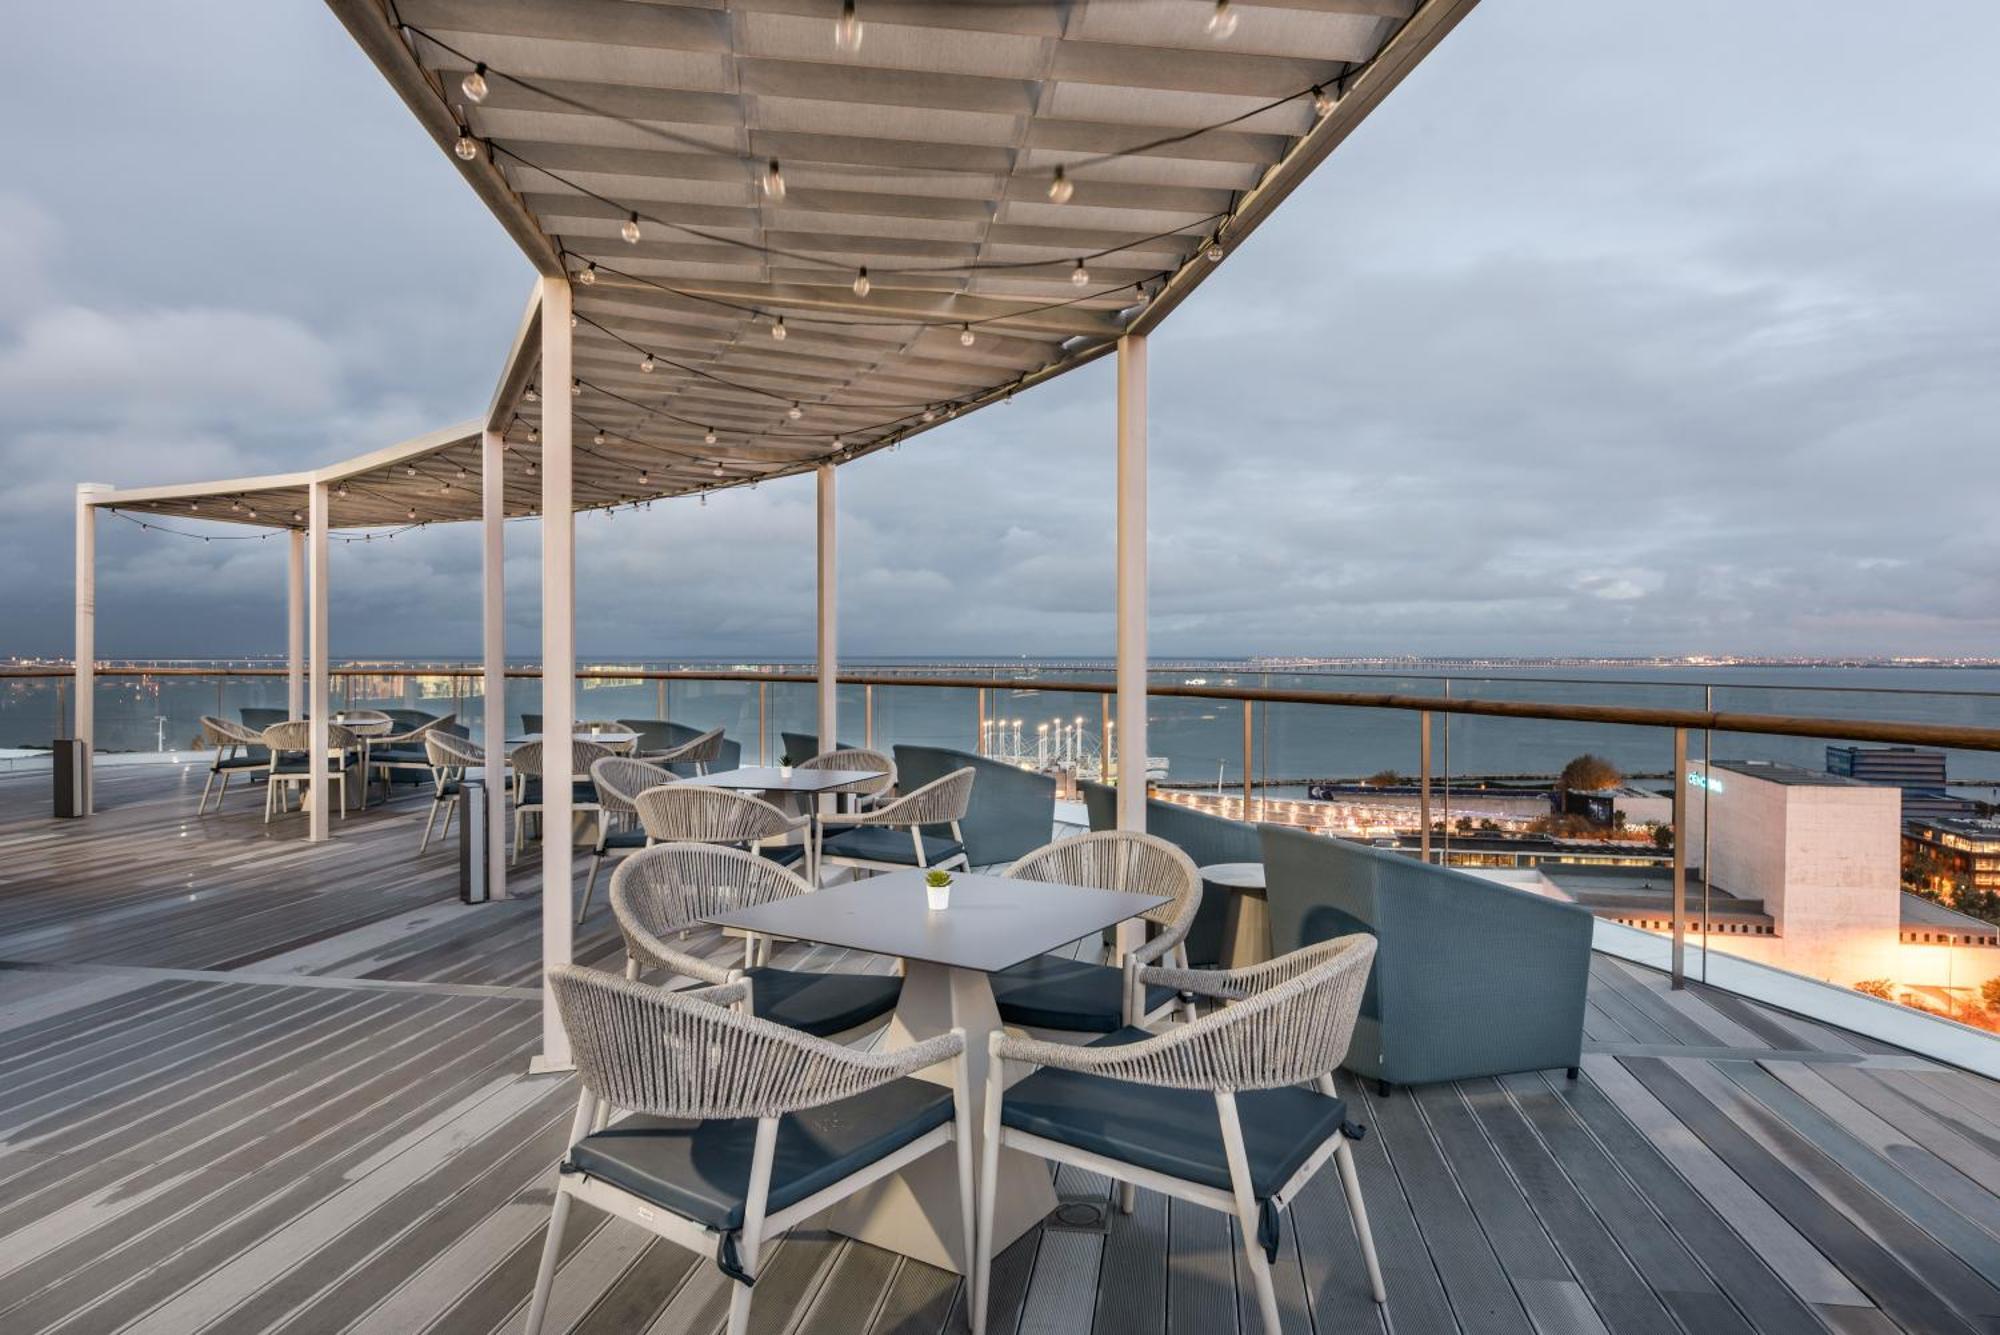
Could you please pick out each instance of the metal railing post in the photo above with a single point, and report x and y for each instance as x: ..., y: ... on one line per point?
x: 1707, y: 768
x: 1444, y: 859
x: 62, y: 709
x: 868, y: 716
x: 1680, y: 858
x: 1424, y: 784
x: 1248, y: 706
x: 979, y: 737
x: 660, y: 698
x: 763, y: 722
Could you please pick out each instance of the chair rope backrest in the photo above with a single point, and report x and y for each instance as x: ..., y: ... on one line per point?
x: 857, y: 757
x: 687, y: 812
x: 1295, y: 1027
x: 694, y: 751
x: 939, y: 802
x: 296, y: 735
x: 365, y: 717
x: 662, y: 891
x: 1139, y: 864
x: 671, y: 1054
x: 220, y: 732
x: 620, y: 780
x: 527, y: 758
x: 445, y: 751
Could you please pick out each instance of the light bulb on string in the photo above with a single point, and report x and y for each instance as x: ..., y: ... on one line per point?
x: 708, y: 437
x: 341, y: 492
x: 473, y: 85
x: 533, y: 436
x: 461, y: 475
x: 795, y: 412
x: 1215, y: 252
x: 861, y: 283
x: 930, y: 414
x: 965, y: 336
x: 847, y: 30
x: 532, y: 395
x: 597, y: 439
x: 533, y: 468
x: 588, y: 276
x: 411, y: 469
x: 236, y: 507
x: 576, y: 389
x: 1222, y: 23
x: 647, y: 363
x: 467, y: 147
x: 1061, y: 188
x: 194, y: 505
x: 630, y: 231
x: 1322, y: 101
x: 778, y: 329
x: 718, y: 470
x: 297, y: 517
x: 645, y: 478
x: 572, y: 322
x: 774, y: 182
x: 252, y: 512
x: 1079, y: 275
x: 413, y: 512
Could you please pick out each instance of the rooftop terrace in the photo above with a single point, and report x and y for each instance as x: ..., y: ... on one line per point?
x: 250, y: 1082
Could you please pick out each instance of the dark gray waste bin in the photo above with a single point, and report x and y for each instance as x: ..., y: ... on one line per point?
x: 72, y: 768
x: 473, y: 817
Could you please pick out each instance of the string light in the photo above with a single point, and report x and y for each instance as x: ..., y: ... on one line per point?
x: 413, y: 512
x: 588, y: 276
x: 194, y: 505
x: 861, y: 283
x: 461, y: 475
x: 795, y: 412
x: 533, y: 468
x: 597, y: 439
x: 576, y: 389
x: 341, y: 491
x: 236, y: 507
x: 847, y: 31
x: 630, y: 231
x: 467, y: 147
x: 778, y: 329
x: 1214, y: 251
x: 1322, y: 101
x: 708, y: 437
x: 718, y: 470
x: 473, y: 85
x: 966, y: 337
x: 774, y: 182
x: 533, y: 395
x: 930, y: 414
x: 296, y: 516
x: 647, y: 363
x: 1222, y: 23
x: 645, y: 478
x: 1079, y: 275
x: 533, y: 436
x: 411, y: 469
x: 252, y: 512
x: 1062, y: 188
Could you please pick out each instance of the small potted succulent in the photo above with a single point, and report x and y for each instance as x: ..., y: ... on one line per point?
x: 937, y: 890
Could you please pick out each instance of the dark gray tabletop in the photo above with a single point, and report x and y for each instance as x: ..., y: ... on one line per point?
x: 993, y: 922
x: 770, y: 778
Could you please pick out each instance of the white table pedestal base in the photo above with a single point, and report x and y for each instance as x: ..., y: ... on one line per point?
x: 916, y: 1212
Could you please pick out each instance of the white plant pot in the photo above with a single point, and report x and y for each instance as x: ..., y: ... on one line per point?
x: 938, y: 897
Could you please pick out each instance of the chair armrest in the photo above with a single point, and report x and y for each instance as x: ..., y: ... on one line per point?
x: 649, y: 949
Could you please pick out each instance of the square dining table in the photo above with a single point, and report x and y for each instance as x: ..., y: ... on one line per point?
x: 808, y: 784
x: 992, y: 923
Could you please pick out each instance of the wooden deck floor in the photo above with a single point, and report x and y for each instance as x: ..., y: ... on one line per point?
x: 249, y: 1084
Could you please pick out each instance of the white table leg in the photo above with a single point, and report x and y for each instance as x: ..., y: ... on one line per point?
x: 916, y: 1212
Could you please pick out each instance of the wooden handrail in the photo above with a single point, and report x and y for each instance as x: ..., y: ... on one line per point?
x: 1779, y: 725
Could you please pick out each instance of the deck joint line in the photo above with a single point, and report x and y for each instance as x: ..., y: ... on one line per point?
x: 491, y: 990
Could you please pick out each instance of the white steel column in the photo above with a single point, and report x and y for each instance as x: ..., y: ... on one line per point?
x: 84, y: 707
x: 558, y: 657
x: 318, y: 707
x: 829, y: 616
x: 1132, y: 583
x: 295, y: 625
x: 493, y: 573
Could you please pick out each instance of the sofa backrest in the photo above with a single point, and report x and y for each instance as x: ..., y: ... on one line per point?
x: 1205, y: 838
x: 1013, y: 810
x: 799, y: 747
x: 660, y: 735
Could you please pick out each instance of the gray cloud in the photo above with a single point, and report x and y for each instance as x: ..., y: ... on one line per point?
x: 1603, y: 335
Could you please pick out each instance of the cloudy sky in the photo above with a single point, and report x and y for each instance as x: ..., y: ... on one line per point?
x: 1620, y: 328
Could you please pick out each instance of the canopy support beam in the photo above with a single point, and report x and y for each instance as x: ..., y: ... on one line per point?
x: 318, y: 706
x: 828, y: 654
x: 84, y: 716
x: 295, y: 625
x: 558, y: 660
x: 1131, y: 616
x: 493, y: 685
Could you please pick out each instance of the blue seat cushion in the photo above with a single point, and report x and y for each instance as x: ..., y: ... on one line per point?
x: 632, y: 836
x: 701, y: 1170
x: 884, y: 843
x: 783, y: 854
x: 1174, y: 1131
x: 295, y: 763
x: 221, y: 763
x: 399, y: 755
x: 583, y: 792
x: 822, y: 1003
x: 1049, y: 992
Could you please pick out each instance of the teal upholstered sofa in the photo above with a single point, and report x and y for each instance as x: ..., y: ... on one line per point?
x: 1472, y: 978
x: 1205, y: 838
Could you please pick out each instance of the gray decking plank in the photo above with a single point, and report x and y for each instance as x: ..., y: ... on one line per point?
x: 1132, y: 1278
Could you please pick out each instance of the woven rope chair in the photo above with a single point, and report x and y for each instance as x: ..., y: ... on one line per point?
x: 661, y: 893
x: 1053, y: 992
x: 448, y: 757
x: 527, y: 760
x: 294, y: 766
x: 867, y: 792
x: 618, y: 780
x: 1123, y: 1106
x: 701, y: 752
x: 391, y: 751
x: 866, y: 839
x: 694, y: 1056
x: 686, y: 812
x: 238, y: 750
